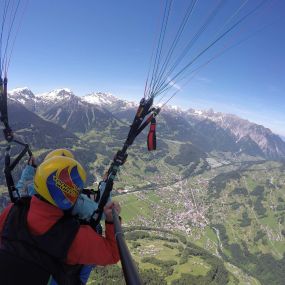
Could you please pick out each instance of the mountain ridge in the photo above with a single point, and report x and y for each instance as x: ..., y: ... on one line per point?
x: 93, y: 111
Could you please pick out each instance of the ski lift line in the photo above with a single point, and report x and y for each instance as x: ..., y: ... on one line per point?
x: 196, y: 71
x: 212, y: 44
x: 160, y: 43
x: 15, y: 37
x: 220, y: 53
x: 197, y: 35
x: 152, y: 53
x: 221, y: 36
x: 226, y: 48
x: 170, y: 53
x: 161, y: 39
x: 160, y: 50
x: 191, y: 43
x: 179, y: 60
x: 5, y: 12
x: 5, y: 9
x: 9, y: 35
x: 175, y: 41
x: 3, y: 25
x: 235, y: 14
x: 9, y: 13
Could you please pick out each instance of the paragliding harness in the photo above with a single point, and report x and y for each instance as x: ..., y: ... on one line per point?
x: 60, y: 271
x: 140, y: 122
x: 35, y: 262
x: 145, y: 115
x: 9, y: 136
x: 105, y: 187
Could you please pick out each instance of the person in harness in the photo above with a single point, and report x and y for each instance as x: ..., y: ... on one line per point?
x: 41, y: 238
x: 84, y: 207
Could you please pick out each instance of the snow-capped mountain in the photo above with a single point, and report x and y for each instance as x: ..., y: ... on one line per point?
x: 39, y: 103
x: 44, y: 101
x: 24, y: 96
x: 29, y: 127
x: 107, y: 100
x: 76, y: 115
x: 63, y: 107
x: 57, y: 95
x: 208, y: 130
x: 270, y: 144
x: 100, y: 98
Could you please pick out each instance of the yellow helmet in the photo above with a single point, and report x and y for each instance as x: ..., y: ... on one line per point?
x: 59, y: 152
x: 59, y: 180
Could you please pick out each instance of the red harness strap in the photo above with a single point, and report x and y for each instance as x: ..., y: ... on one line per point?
x: 151, y: 138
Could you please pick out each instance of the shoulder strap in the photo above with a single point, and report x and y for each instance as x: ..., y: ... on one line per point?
x: 48, y: 251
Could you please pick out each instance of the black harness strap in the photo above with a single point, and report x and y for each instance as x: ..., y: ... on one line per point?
x: 4, y: 110
x: 138, y: 125
x: 44, y: 254
x: 9, y: 136
x: 9, y: 167
x: 105, y: 187
x: 151, y: 138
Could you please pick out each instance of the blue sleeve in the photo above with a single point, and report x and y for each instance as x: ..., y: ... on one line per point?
x: 25, y: 185
x: 85, y: 273
x: 85, y: 207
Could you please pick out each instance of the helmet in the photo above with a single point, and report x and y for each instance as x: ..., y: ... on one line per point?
x: 59, y: 152
x: 59, y: 180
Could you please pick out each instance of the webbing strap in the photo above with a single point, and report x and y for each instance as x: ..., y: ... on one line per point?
x: 151, y: 138
x: 4, y: 111
x: 8, y: 133
x: 137, y: 126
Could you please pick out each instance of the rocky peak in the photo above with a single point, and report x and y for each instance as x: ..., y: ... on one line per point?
x: 56, y: 95
x: 24, y: 96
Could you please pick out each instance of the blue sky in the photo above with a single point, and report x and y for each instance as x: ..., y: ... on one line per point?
x: 106, y: 45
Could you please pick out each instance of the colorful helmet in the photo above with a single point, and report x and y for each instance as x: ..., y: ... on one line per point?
x: 59, y: 180
x: 59, y: 152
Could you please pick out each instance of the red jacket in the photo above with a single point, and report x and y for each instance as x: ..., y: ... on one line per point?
x: 88, y: 247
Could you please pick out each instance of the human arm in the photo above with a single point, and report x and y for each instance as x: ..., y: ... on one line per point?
x: 88, y: 247
x: 3, y: 218
x: 25, y: 185
x: 85, y: 207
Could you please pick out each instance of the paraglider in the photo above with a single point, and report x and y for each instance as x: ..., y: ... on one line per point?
x: 175, y: 61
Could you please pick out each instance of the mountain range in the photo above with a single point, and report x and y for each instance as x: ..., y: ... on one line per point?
x: 205, y: 129
x: 212, y: 183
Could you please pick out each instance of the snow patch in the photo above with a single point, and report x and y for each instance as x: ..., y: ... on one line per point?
x: 56, y: 95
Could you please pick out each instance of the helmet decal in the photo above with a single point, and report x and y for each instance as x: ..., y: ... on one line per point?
x: 64, y: 182
x: 64, y: 186
x: 76, y: 178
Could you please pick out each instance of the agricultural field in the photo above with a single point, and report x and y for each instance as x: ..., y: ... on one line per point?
x: 235, y: 213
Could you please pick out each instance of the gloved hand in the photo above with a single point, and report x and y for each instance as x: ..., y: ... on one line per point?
x: 32, y: 162
x: 108, y: 210
x: 84, y: 207
x: 25, y: 185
